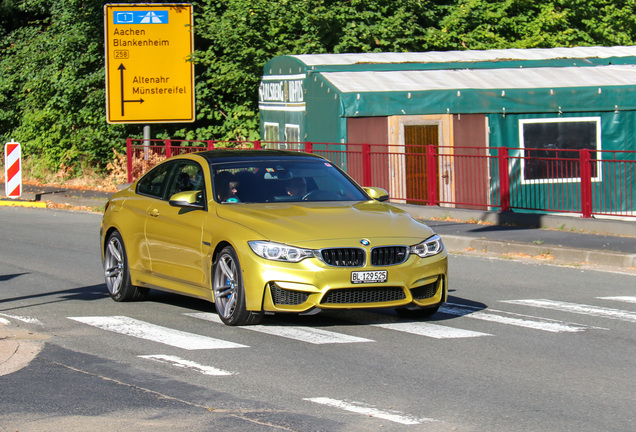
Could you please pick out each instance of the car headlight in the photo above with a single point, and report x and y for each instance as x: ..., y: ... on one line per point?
x: 279, y: 252
x: 429, y: 247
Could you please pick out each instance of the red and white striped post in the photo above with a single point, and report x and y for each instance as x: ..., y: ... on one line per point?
x: 12, y: 170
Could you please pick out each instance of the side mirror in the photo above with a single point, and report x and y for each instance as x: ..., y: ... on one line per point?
x: 188, y: 199
x: 377, y: 193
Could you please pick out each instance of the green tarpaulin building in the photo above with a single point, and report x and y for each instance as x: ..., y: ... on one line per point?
x: 558, y: 98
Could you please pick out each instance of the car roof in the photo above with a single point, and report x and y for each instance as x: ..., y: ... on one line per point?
x: 213, y: 156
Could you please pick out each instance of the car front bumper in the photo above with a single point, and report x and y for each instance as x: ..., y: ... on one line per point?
x: 301, y: 287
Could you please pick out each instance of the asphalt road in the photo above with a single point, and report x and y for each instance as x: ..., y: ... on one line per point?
x: 521, y: 346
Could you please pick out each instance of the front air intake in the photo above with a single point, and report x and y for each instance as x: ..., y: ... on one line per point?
x: 282, y: 296
x: 363, y: 295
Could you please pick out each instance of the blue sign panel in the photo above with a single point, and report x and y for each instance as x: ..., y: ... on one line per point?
x: 143, y: 17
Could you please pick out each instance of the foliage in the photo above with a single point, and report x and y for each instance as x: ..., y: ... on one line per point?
x: 52, y: 95
x: 236, y: 37
x: 487, y: 24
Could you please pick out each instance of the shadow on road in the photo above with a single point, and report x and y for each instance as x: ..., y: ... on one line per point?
x: 87, y: 293
x: 4, y: 278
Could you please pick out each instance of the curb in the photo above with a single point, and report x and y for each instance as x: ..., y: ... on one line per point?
x: 560, y: 254
x: 18, y: 347
x: 623, y: 226
x: 12, y: 203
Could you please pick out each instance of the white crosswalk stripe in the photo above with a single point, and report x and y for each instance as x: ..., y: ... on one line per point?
x: 624, y: 299
x: 24, y: 319
x: 190, y: 341
x: 370, y: 411
x: 431, y: 330
x: 419, y: 328
x: 514, y: 319
x: 143, y: 330
x: 187, y: 364
x: 304, y: 334
x: 577, y: 308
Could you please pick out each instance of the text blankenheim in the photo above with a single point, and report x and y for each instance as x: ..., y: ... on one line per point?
x: 134, y: 42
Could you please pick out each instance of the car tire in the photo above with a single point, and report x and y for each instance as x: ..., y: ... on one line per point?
x: 424, y: 312
x: 229, y: 292
x: 117, y: 273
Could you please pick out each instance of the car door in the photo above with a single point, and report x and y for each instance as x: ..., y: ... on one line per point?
x: 150, y: 189
x: 174, y: 234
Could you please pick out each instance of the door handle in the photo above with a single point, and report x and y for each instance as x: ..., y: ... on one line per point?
x: 446, y: 177
x: 154, y: 212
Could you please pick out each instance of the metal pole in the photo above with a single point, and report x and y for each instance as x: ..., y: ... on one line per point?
x: 146, y: 140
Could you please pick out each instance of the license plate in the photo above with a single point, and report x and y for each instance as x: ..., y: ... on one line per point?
x: 358, y: 277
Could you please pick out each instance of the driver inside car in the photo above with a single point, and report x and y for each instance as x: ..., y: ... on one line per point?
x: 297, y: 187
x: 226, y: 187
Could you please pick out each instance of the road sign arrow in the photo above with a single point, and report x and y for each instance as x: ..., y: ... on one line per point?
x: 121, y: 69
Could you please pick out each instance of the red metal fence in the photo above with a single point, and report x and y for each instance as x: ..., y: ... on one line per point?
x: 586, y: 182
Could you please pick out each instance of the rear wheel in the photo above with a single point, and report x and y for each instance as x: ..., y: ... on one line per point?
x: 117, y: 273
x: 229, y: 292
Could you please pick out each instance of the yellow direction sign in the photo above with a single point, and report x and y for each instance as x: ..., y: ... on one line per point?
x: 149, y: 78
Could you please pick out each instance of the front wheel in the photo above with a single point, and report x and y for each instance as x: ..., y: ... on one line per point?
x: 117, y: 273
x: 229, y: 292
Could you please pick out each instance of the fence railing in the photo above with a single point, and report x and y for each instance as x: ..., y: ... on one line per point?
x: 586, y: 182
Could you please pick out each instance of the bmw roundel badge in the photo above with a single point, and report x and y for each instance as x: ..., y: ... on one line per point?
x: 365, y: 242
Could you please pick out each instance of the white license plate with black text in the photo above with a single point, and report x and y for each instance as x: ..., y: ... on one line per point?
x: 378, y: 276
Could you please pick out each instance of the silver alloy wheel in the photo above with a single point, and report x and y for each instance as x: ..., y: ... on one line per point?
x: 226, y: 285
x: 114, y: 265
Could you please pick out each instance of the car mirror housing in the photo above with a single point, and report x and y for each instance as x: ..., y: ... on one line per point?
x: 186, y: 199
x: 377, y: 193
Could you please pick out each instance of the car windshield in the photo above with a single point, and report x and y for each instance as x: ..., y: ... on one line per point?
x: 265, y: 181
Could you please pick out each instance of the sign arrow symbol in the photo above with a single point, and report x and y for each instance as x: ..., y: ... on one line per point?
x: 121, y: 69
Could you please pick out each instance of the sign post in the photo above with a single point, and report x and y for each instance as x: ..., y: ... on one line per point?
x: 149, y: 76
x: 12, y: 170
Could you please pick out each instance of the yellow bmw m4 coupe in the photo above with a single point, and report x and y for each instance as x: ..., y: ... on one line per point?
x: 259, y: 231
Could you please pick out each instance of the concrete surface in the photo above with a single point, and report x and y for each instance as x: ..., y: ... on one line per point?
x: 18, y: 347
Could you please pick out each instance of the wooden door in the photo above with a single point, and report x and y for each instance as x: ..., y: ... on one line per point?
x: 416, y: 137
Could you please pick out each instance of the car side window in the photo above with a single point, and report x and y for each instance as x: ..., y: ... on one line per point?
x: 187, y: 176
x: 153, y: 183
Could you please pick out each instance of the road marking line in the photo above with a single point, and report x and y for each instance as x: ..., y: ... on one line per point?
x: 624, y: 299
x: 27, y: 320
x: 431, y: 330
x: 509, y: 318
x: 578, y: 309
x: 426, y: 329
x: 4, y: 321
x: 303, y: 334
x: 187, y: 364
x: 143, y: 330
x: 369, y: 410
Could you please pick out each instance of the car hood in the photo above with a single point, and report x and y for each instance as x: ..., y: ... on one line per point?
x: 301, y: 224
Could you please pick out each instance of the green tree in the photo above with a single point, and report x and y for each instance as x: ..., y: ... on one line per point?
x: 52, y: 85
x: 488, y: 24
x: 52, y: 90
x: 235, y: 38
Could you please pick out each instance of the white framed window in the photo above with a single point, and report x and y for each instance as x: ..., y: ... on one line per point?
x: 550, y: 148
x: 292, y: 135
x: 271, y: 133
